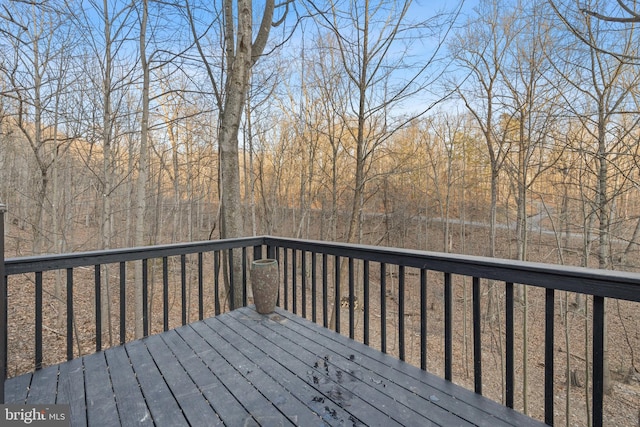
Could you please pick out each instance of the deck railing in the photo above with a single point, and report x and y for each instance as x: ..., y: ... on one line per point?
x: 599, y: 284
x: 328, y: 279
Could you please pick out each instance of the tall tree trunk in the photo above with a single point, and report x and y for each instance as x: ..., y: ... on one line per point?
x: 355, y: 222
x: 241, y: 53
x: 493, y: 212
x: 237, y: 87
x: 107, y: 124
x: 604, y: 258
x: 143, y: 171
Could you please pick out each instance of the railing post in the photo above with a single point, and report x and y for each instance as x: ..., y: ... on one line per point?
x: 3, y: 308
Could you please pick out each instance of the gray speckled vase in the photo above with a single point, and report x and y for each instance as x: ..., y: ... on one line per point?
x: 265, y: 281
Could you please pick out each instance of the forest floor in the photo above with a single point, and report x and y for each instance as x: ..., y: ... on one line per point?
x: 572, y: 340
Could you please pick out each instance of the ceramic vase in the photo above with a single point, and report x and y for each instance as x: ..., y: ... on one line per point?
x: 265, y: 281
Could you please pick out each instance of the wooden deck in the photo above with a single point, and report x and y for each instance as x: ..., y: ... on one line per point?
x: 245, y: 369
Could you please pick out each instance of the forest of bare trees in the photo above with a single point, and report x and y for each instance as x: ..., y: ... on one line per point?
x: 112, y: 116
x: 497, y: 128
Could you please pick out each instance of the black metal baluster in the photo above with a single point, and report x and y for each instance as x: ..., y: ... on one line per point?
x: 183, y: 288
x: 216, y: 282
x: 401, y: 340
x: 145, y: 297
x: 123, y: 302
x: 4, y: 329
x: 69, y: 313
x: 351, y: 299
x: 548, y: 356
x: 383, y: 307
x: 325, y: 291
x: 336, y: 299
x: 303, y: 260
x: 165, y: 293
x: 257, y: 252
x: 200, y: 287
x: 244, y: 276
x: 232, y: 288
x: 598, y: 360
x: 423, y: 319
x: 477, y: 342
x: 294, y: 279
x: 314, y: 285
x: 38, y: 331
x: 448, y: 327
x: 98, y: 297
x: 365, y: 303
x: 286, y: 279
x: 509, y: 343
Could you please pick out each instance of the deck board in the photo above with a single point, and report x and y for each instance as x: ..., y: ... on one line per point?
x: 43, y: 384
x: 162, y: 405
x: 132, y: 408
x: 245, y: 369
x: 101, y: 404
x: 253, y: 398
x: 71, y: 389
x: 331, y: 392
x: 17, y: 388
x: 194, y: 405
x: 374, y: 393
x: 455, y: 399
x: 422, y: 397
x: 292, y: 393
x: 229, y: 411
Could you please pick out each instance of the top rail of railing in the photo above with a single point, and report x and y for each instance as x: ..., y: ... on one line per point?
x: 605, y: 283
x: 30, y: 264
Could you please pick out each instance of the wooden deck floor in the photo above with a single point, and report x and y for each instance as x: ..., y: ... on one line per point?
x: 244, y: 369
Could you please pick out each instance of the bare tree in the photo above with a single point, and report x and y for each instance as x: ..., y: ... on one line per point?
x: 374, y: 41
x: 442, y: 151
x: 530, y: 81
x: 241, y: 52
x: 620, y: 16
x: 631, y: 15
x: 37, y: 66
x: 143, y: 167
x: 481, y: 48
x: 330, y: 88
x: 605, y: 80
x: 109, y: 66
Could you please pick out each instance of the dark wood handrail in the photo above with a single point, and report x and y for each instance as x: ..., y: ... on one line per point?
x: 590, y: 281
